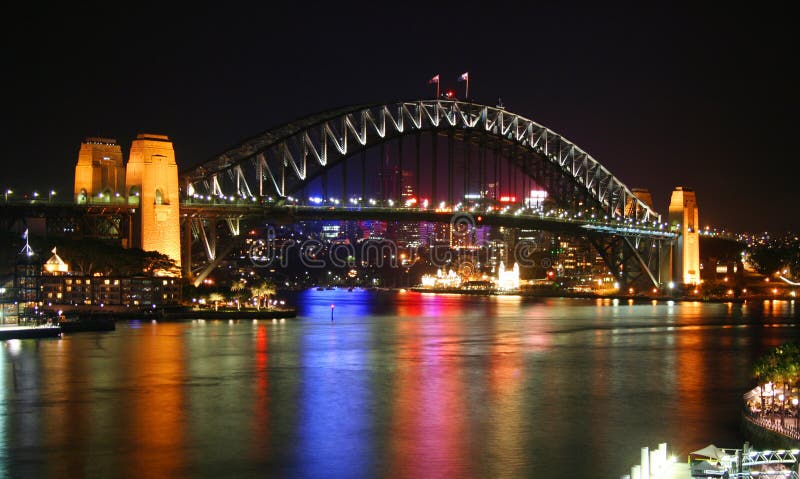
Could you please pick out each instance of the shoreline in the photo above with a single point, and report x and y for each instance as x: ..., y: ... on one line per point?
x: 620, y: 297
x: 176, y: 314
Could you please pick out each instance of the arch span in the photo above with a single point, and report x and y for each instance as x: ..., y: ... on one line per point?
x: 283, y: 160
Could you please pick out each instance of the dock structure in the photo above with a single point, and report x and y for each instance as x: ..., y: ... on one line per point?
x: 712, y: 461
x: 29, y: 332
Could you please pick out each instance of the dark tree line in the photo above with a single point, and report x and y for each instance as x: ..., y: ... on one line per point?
x: 777, y: 255
x: 90, y: 256
x: 96, y: 256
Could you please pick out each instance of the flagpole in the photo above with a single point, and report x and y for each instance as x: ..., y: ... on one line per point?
x: 436, y: 79
x: 465, y: 77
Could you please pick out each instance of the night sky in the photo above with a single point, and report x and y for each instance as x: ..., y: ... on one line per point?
x: 665, y: 95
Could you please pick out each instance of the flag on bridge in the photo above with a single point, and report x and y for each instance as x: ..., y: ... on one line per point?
x: 465, y: 78
x: 435, y: 80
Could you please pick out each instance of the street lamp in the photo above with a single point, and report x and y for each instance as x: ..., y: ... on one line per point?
x: 796, y: 414
x: 51, y: 195
x: 8, y: 192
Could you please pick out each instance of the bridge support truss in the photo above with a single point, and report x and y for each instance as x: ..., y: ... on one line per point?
x: 637, y: 262
x: 200, y: 227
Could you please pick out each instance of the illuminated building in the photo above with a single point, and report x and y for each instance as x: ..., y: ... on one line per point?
x: 508, y: 280
x: 55, y: 265
x: 330, y: 230
x: 109, y: 290
x: 408, y: 232
x: 451, y: 279
x: 426, y: 233
x: 439, y: 234
x: 536, y: 200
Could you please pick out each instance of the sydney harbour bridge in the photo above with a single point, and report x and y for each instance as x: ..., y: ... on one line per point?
x: 437, y: 160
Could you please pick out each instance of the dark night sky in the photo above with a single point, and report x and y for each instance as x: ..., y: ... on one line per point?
x: 663, y: 95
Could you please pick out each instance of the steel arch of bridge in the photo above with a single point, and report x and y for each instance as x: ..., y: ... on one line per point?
x: 285, y: 159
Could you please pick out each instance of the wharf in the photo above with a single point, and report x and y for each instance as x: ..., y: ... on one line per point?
x: 29, y: 332
x: 179, y: 314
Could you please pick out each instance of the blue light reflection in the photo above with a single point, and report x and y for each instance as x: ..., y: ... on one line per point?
x: 335, y: 395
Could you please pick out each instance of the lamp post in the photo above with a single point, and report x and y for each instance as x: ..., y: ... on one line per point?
x: 51, y: 195
x: 8, y: 192
x: 781, y: 398
x: 796, y: 414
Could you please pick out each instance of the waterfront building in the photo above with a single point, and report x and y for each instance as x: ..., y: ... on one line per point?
x: 442, y: 279
x: 108, y: 290
x: 55, y: 265
x: 508, y: 280
x: 52, y: 283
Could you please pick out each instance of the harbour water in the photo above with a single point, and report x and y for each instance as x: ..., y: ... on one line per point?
x: 396, y: 385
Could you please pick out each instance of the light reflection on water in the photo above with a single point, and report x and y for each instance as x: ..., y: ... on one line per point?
x: 397, y: 385
x: 4, y: 371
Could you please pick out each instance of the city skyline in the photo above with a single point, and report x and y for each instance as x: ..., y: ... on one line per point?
x: 662, y: 98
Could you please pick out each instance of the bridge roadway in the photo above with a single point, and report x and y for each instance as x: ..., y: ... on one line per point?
x: 287, y: 214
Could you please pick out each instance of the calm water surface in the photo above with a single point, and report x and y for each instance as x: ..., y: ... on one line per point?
x: 400, y: 385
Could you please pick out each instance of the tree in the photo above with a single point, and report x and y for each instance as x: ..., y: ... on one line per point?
x: 779, y: 366
x: 262, y: 290
x: 89, y: 256
x: 236, y: 288
x: 216, y: 298
x: 155, y: 263
x: 780, y: 254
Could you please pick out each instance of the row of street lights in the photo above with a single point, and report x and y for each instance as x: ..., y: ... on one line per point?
x: 9, y: 192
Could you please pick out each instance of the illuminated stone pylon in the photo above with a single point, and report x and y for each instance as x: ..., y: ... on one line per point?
x: 684, y: 219
x: 152, y: 183
x: 100, y: 172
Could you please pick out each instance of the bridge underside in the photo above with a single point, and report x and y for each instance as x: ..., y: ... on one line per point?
x: 450, y: 155
x: 633, y: 257
x: 43, y: 219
